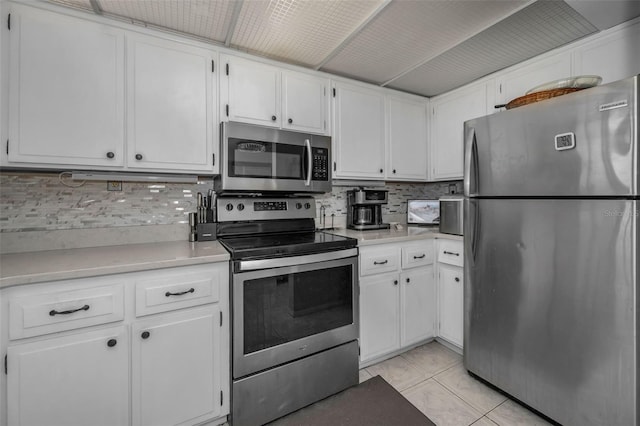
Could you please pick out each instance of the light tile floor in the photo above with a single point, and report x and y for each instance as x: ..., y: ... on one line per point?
x: 433, y: 378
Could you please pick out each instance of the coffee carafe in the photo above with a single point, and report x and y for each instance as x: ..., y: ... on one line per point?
x: 364, y: 208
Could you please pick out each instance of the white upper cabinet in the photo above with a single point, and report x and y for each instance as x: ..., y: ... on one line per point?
x: 66, y: 96
x: 257, y: 93
x: 613, y: 57
x: 450, y: 111
x: 305, y: 105
x: 518, y: 81
x: 170, y: 106
x: 407, y: 139
x: 252, y: 92
x: 359, y: 132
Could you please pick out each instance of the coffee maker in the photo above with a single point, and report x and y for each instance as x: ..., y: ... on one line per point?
x: 364, y: 209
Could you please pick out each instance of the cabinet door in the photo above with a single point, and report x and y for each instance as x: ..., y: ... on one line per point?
x: 612, y: 56
x: 447, y: 138
x: 304, y: 102
x: 359, y: 139
x: 407, y: 140
x: 450, y: 303
x: 379, y: 315
x: 66, y: 91
x: 253, y: 91
x: 81, y: 379
x: 519, y: 81
x: 176, y: 368
x: 170, y: 106
x: 418, y: 305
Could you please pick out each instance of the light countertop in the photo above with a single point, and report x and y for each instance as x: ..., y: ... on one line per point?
x: 51, y: 265
x: 405, y: 233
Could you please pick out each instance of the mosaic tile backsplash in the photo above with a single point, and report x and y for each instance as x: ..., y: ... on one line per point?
x: 45, y: 202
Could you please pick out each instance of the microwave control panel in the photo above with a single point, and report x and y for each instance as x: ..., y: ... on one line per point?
x: 320, y: 167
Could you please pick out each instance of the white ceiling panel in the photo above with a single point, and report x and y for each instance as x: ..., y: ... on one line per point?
x: 202, y: 18
x: 536, y: 29
x: 299, y: 31
x: 408, y: 32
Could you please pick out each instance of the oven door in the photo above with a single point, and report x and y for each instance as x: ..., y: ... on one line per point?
x: 262, y: 159
x: 283, y: 313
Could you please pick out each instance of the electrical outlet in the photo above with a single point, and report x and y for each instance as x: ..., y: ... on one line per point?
x: 114, y: 185
x: 452, y: 188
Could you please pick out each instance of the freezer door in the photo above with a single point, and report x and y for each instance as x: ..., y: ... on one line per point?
x: 551, y: 305
x: 579, y: 144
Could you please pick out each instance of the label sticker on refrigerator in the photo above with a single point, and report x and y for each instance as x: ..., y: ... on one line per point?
x: 613, y: 105
x: 565, y: 141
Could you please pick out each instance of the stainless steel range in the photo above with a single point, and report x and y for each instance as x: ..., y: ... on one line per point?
x: 294, y: 306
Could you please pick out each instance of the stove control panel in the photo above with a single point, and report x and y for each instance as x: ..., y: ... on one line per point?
x: 233, y: 209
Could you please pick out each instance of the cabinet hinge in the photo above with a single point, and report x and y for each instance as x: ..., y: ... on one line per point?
x: 227, y: 69
x: 220, y: 319
x: 227, y: 109
x: 5, y: 365
x: 334, y: 92
x: 213, y: 66
x: 221, y: 397
x: 9, y: 22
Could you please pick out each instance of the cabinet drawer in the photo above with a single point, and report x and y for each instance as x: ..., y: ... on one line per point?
x: 451, y: 252
x: 37, y: 314
x: 376, y: 260
x: 417, y: 255
x: 178, y: 288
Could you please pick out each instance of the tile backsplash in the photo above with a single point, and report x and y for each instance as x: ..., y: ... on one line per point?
x: 45, y: 202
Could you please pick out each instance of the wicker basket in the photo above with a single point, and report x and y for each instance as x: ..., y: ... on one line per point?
x: 539, y: 96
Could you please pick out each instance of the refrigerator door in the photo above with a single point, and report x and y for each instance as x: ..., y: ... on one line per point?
x: 551, y: 305
x: 580, y: 144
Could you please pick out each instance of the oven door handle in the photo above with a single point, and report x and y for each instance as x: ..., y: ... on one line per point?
x: 307, y: 144
x: 252, y: 265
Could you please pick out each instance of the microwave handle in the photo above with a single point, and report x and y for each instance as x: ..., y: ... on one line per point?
x: 307, y: 143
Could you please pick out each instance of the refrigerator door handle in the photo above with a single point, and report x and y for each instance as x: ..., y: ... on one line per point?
x: 470, y: 163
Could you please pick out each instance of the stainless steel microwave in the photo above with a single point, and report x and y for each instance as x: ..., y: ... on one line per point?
x: 263, y: 159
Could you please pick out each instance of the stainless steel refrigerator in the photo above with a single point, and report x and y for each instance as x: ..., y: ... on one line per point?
x: 551, y: 254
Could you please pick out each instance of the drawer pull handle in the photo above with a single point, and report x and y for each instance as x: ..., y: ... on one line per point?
x: 191, y: 290
x: 381, y: 263
x: 457, y: 279
x: 450, y: 252
x: 112, y: 342
x: 419, y: 257
x: 70, y: 311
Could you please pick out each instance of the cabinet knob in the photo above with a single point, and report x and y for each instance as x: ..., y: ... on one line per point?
x: 395, y: 282
x: 457, y: 279
x: 408, y: 280
x: 110, y: 154
x: 112, y: 342
x: 273, y: 118
x: 381, y: 170
x: 145, y: 334
x: 138, y: 157
x: 394, y: 171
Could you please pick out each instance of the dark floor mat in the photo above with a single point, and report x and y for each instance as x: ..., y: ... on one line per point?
x: 371, y: 403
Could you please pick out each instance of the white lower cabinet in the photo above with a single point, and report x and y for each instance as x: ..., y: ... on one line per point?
x: 79, y: 379
x: 397, y: 307
x: 450, y: 290
x: 139, y: 360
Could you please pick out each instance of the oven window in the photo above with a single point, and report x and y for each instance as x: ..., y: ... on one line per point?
x: 269, y: 160
x: 283, y: 308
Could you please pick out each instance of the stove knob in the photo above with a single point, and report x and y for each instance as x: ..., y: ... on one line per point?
x: 298, y: 206
x: 229, y: 207
x: 307, y: 206
x: 240, y: 207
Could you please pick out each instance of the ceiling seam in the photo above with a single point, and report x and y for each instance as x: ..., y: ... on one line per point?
x: 95, y: 5
x: 237, y: 7
x: 353, y: 34
x: 421, y: 63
